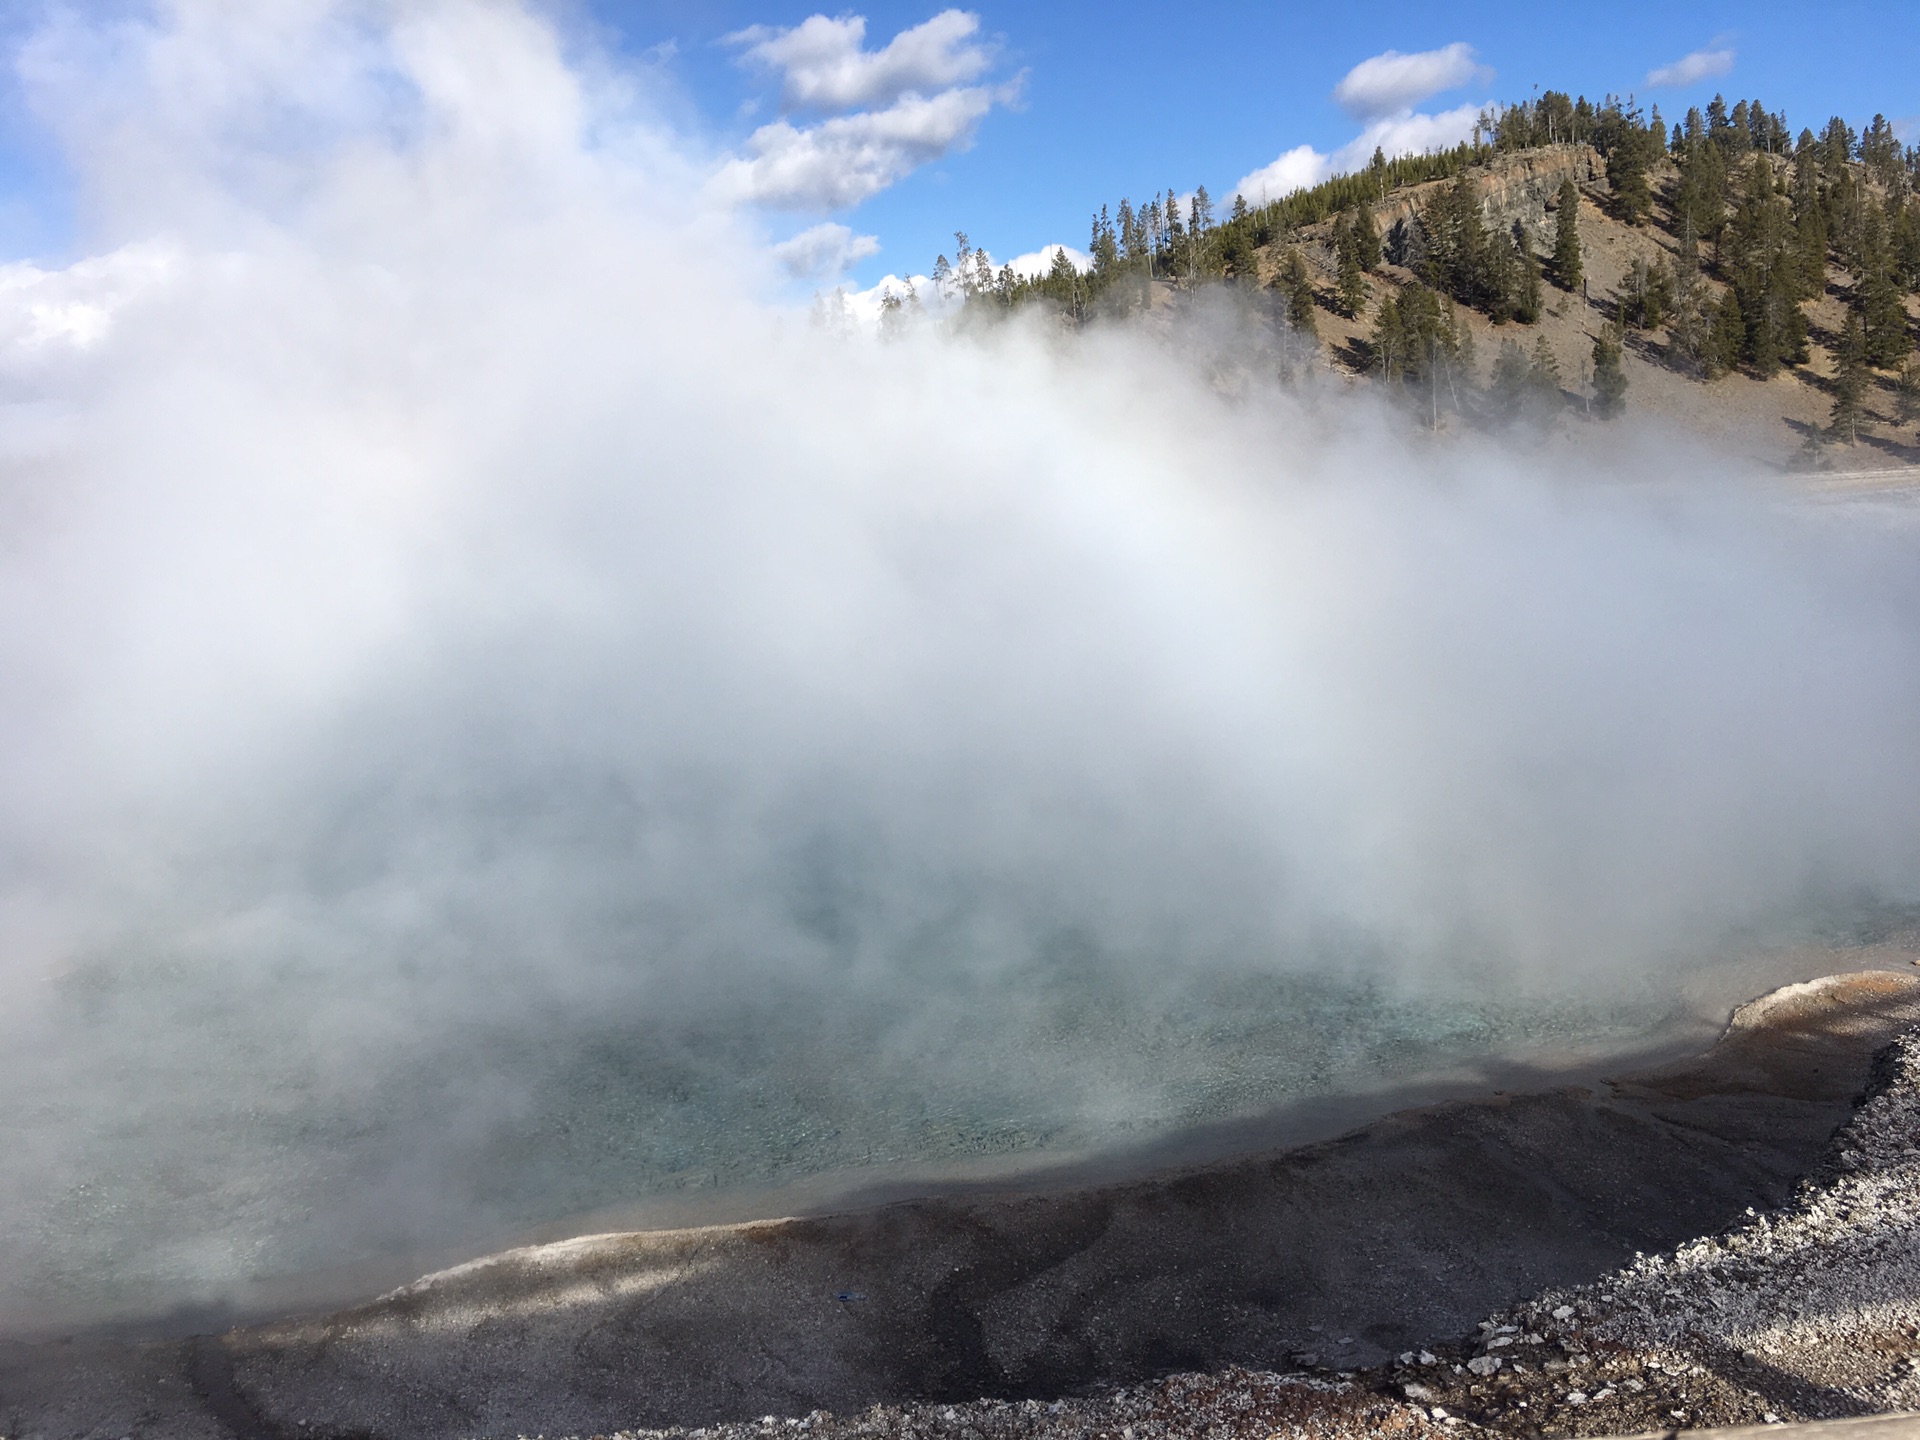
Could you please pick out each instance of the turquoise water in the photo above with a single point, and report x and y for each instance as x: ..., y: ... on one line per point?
x: 184, y: 1133
x: 187, y: 1172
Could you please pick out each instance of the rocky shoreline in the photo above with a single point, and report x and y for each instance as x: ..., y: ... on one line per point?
x: 1751, y: 1219
x: 1808, y: 1313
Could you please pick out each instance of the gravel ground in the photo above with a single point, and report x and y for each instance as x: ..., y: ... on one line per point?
x: 1809, y: 1312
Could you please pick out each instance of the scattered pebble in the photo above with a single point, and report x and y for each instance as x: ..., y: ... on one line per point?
x: 1822, y: 1297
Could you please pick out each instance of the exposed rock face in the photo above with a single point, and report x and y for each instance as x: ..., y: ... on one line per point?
x: 1525, y: 186
x: 1522, y: 186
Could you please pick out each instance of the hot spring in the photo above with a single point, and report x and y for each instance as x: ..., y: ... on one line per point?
x: 504, y: 720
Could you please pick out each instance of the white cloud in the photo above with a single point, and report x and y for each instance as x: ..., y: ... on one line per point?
x: 847, y: 159
x: 1381, y: 92
x: 1691, y: 69
x: 1300, y: 168
x: 1907, y: 129
x: 824, y: 252
x: 1036, y: 263
x: 827, y: 68
x: 890, y: 110
x: 1410, y: 132
x: 862, y: 307
x: 1391, y: 81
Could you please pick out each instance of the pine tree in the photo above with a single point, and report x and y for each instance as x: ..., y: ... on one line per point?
x: 1836, y: 148
x: 1498, y: 286
x: 1740, y: 125
x: 1350, y: 279
x: 1727, y: 337
x: 1527, y: 300
x: 1906, y: 393
x: 1298, y: 285
x: 1785, y: 319
x: 1849, y: 382
x: 1805, y: 184
x: 1700, y: 198
x: 1841, y: 199
x: 893, y: 313
x: 1566, y: 237
x: 1690, y: 326
x: 1646, y: 294
x: 1719, y: 127
x: 1760, y: 258
x: 1609, y: 377
x: 1881, y: 152
x: 1133, y: 245
x: 1903, y: 239
x: 1387, y: 345
x: 1202, y: 211
x: 1509, y: 386
x: 1543, y: 374
x: 1064, y: 286
x: 1366, y: 238
x: 1199, y: 222
x: 1463, y: 260
x: 1810, y: 251
x: 1417, y: 338
x: 1627, y: 172
x: 1103, y: 244
x: 1235, y: 254
x: 972, y: 272
x: 1876, y: 295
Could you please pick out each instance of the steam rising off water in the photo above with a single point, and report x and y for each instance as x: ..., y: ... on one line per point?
x: 497, y: 723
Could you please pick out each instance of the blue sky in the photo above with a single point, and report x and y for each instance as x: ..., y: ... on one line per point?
x: 1124, y: 99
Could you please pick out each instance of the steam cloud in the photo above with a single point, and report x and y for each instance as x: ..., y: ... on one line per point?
x: 495, y: 718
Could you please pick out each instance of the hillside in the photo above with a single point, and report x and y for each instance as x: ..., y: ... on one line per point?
x: 1760, y: 290
x: 1770, y: 420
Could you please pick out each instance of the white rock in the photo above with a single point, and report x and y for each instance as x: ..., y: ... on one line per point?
x: 1563, y: 1312
x: 1483, y: 1364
